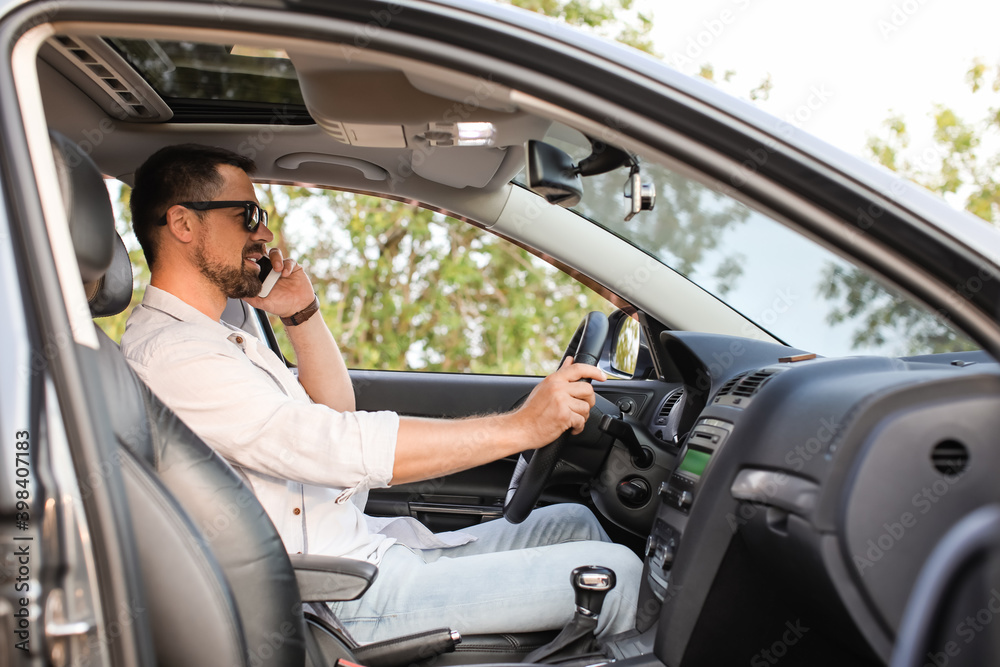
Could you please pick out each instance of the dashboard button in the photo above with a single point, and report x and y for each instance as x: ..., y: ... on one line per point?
x: 650, y: 546
x: 669, y: 551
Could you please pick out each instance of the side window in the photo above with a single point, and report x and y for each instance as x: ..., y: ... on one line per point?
x: 406, y: 288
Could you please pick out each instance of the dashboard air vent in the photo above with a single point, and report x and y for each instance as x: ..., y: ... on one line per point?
x: 738, y: 391
x: 950, y: 457
x: 670, y: 403
x: 663, y: 428
x: 730, y: 384
x: 752, y: 383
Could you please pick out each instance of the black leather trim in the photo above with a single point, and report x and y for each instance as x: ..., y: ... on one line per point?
x: 403, y: 651
x: 522, y: 642
x: 330, y: 579
x: 493, y: 649
x: 224, y: 512
x: 187, y: 594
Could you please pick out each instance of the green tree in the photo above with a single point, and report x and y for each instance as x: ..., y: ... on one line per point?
x: 405, y: 287
x: 963, y: 165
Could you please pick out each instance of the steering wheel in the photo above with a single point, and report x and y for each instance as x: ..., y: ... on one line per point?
x: 534, y: 467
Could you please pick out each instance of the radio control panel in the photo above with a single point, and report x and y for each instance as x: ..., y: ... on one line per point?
x: 677, y: 496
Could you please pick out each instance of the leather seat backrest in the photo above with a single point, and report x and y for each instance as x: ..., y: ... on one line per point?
x: 174, y: 478
x: 220, y: 588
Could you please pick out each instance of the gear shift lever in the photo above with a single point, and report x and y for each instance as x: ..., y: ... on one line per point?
x: 591, y: 584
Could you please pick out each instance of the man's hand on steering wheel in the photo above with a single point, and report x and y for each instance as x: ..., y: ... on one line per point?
x: 556, y: 410
x: 558, y: 403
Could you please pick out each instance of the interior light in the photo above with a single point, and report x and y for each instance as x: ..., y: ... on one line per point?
x: 257, y: 52
x: 468, y: 133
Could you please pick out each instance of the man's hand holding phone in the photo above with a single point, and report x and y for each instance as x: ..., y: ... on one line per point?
x: 321, y: 368
x: 286, y: 286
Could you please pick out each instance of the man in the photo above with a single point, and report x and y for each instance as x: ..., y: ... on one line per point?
x: 311, y: 457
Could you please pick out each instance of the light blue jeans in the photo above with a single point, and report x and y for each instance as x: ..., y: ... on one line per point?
x: 513, y: 578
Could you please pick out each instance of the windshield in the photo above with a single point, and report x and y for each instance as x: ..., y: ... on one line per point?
x: 785, y: 283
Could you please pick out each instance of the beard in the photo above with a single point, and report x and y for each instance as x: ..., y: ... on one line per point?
x: 237, y: 282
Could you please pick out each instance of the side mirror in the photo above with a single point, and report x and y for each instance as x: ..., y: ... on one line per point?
x: 552, y: 174
x: 625, y: 346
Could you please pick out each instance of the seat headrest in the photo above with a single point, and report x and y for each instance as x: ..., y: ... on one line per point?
x: 104, y: 264
x: 112, y: 292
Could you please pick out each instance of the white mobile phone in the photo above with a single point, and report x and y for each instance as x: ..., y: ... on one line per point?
x: 268, y: 276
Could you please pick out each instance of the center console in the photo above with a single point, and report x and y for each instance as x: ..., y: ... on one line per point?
x: 676, y: 498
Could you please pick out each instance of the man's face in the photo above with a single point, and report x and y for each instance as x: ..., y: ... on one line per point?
x: 225, y: 251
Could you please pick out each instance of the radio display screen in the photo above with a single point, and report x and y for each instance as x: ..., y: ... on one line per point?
x: 695, y: 462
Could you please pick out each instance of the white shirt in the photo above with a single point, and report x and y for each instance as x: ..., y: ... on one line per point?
x: 310, y: 466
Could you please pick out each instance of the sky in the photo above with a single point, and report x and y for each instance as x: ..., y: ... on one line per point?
x: 855, y: 61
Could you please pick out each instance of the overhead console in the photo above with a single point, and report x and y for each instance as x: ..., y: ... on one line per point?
x: 372, y: 100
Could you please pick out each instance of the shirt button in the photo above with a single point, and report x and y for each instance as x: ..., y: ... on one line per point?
x: 239, y: 339
x: 296, y: 511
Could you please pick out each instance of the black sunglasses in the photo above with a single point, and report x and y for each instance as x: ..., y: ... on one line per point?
x: 253, y: 214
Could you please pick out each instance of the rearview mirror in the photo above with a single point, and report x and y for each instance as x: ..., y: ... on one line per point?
x: 552, y: 174
x: 625, y: 346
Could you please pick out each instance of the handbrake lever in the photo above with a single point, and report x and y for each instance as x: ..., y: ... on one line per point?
x: 409, y: 649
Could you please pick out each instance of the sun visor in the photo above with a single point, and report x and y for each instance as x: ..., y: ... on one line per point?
x: 457, y: 167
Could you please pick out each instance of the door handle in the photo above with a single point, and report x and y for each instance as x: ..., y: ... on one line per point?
x: 485, y: 511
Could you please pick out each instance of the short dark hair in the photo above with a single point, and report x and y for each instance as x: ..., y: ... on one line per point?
x: 185, y: 172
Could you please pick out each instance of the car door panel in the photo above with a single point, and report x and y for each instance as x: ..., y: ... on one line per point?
x: 462, y: 499
x: 438, y: 394
x: 470, y: 496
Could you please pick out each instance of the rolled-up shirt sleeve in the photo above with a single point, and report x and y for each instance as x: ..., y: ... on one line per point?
x: 242, y: 411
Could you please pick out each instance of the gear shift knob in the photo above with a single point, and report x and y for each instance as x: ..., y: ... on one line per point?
x: 591, y: 583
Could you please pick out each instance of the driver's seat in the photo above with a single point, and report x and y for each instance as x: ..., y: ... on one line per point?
x: 219, y: 587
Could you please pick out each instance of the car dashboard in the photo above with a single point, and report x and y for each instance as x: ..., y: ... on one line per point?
x: 805, y: 495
